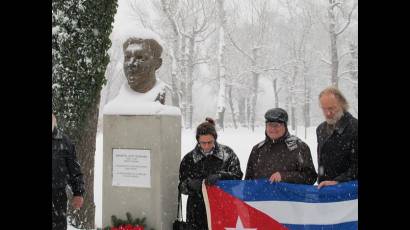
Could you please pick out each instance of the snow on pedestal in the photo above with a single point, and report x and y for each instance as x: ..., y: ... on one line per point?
x: 130, y: 102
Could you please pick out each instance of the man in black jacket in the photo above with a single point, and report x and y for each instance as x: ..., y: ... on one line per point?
x: 281, y: 157
x: 66, y: 171
x: 337, y: 138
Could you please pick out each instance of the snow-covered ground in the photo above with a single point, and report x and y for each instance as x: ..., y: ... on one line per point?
x: 241, y: 140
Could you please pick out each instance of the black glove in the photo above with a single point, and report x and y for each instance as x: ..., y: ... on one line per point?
x: 212, y: 179
x: 195, y: 184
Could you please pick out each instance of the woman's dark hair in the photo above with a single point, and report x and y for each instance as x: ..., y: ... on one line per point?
x: 206, y: 128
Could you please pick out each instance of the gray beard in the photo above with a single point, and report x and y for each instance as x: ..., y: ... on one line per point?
x: 336, y: 118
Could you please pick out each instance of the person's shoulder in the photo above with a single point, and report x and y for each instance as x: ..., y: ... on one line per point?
x: 293, y: 142
x: 226, y: 148
x: 187, y: 159
x: 189, y: 155
x: 297, y: 139
x: 320, y: 126
x: 350, y: 121
x: 230, y: 154
x: 259, y: 145
x: 353, y: 120
x: 303, y: 144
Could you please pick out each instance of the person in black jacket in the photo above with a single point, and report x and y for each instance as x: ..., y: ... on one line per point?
x: 209, y: 161
x: 66, y: 171
x: 337, y: 139
x: 281, y: 157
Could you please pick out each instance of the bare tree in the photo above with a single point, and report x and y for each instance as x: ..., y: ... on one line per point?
x: 231, y: 106
x: 171, y: 11
x: 221, y: 106
x: 299, y: 28
x: 259, y: 13
x: 196, y: 26
x: 335, y: 29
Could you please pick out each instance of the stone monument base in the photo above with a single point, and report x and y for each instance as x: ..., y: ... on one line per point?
x: 143, y: 178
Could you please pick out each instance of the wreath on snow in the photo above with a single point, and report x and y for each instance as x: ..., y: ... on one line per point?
x: 127, y: 224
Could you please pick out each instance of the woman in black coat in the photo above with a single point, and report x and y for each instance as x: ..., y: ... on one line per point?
x: 209, y: 161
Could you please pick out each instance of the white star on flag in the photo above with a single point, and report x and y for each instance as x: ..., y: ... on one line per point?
x: 239, y: 226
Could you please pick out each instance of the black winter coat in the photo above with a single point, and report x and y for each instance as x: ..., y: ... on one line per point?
x: 65, y: 167
x: 195, y: 165
x: 338, y: 152
x: 289, y: 156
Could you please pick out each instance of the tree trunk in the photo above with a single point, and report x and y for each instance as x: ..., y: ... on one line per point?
x: 189, y: 83
x: 174, y: 74
x: 293, y: 117
x: 221, y: 106
x: 289, y: 100
x: 276, y: 93
x: 248, y: 111
x: 353, y: 67
x: 220, y: 119
x: 231, y: 106
x: 293, y: 97
x: 174, y: 53
x: 333, y: 47
x: 184, y: 86
x: 306, y: 110
x: 255, y: 87
x: 254, y: 98
x: 85, y: 148
x: 242, y: 111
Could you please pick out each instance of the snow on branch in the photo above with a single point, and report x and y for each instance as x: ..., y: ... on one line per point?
x: 171, y: 18
x: 205, y: 37
x: 275, y: 69
x: 323, y: 59
x: 348, y: 72
x: 201, y: 61
x: 347, y: 53
x: 349, y: 19
x: 279, y: 68
x: 238, y: 48
x: 349, y: 79
x: 333, y: 5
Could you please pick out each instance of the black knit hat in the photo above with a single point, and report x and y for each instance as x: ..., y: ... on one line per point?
x: 276, y: 115
x: 206, y: 128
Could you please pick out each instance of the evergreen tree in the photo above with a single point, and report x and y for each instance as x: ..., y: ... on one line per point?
x: 80, y: 40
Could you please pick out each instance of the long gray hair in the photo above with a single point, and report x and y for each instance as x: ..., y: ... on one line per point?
x: 338, y: 94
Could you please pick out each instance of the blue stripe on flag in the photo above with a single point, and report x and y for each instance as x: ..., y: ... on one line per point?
x: 343, y: 226
x: 263, y: 190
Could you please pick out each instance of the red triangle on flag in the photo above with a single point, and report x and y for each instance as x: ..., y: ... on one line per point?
x: 223, y: 211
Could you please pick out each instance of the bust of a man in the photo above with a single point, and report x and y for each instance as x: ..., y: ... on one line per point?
x: 142, y: 57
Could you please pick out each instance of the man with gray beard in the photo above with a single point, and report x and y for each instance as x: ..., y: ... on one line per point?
x: 337, y: 138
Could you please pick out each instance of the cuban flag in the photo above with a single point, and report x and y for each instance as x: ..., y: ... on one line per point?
x: 260, y: 205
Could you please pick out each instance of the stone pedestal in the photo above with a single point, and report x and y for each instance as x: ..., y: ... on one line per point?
x: 161, y: 136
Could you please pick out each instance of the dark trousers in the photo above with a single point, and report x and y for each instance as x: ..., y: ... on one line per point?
x: 59, y: 209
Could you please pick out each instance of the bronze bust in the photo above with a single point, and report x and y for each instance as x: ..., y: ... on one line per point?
x: 142, y: 57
